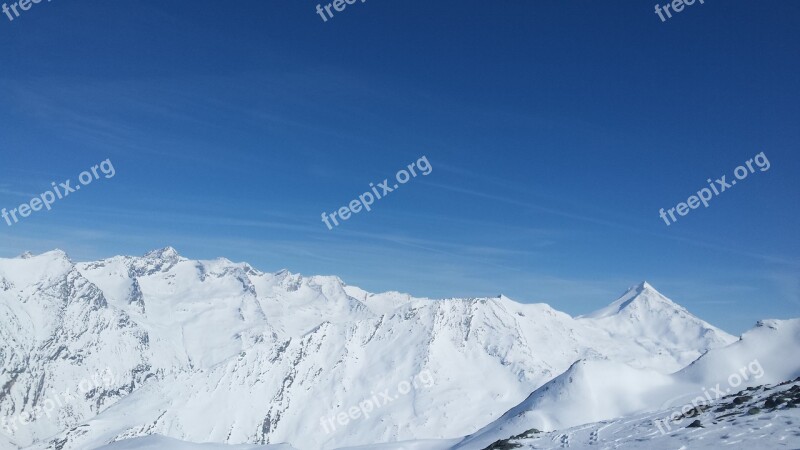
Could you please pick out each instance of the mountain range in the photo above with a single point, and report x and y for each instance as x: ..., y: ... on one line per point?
x: 161, y: 351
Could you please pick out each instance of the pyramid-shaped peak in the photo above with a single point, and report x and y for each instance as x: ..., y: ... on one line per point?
x: 642, y: 295
x: 167, y: 253
x: 642, y: 287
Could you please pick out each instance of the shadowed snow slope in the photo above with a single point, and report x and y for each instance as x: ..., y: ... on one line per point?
x: 217, y: 351
x: 591, y: 391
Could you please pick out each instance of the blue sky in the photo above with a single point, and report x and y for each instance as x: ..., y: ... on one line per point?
x: 556, y: 131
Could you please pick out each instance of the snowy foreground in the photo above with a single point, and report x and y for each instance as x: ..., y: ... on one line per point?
x: 163, y: 352
x: 740, y: 421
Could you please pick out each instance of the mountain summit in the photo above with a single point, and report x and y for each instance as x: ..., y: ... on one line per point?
x: 647, y: 316
x: 167, y: 253
x: 640, y: 298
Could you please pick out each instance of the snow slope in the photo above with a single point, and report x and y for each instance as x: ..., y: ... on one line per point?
x: 763, y: 417
x: 217, y: 351
x: 592, y: 391
x: 155, y: 442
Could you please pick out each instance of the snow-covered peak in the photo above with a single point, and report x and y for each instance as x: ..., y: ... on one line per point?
x: 167, y: 254
x: 644, y: 315
x: 772, y: 323
x: 640, y: 296
x: 35, y: 268
x: 55, y: 254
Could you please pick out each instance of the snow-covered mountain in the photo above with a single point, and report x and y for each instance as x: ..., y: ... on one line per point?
x: 216, y: 351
